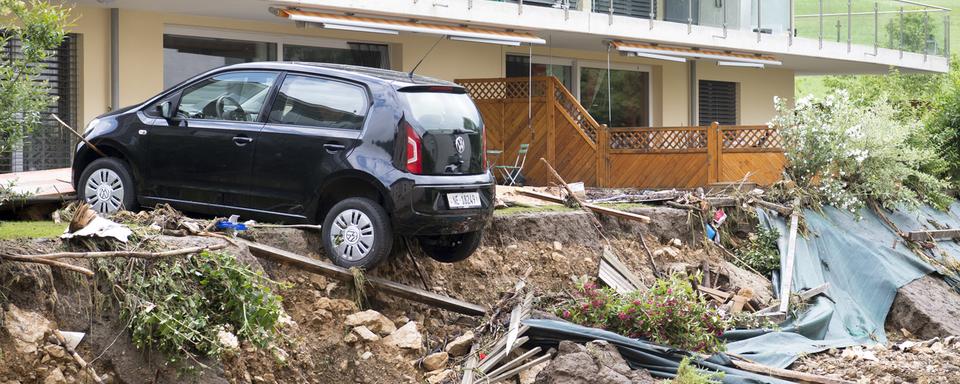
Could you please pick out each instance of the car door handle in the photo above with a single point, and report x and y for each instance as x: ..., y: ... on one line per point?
x: 242, y: 140
x: 333, y: 147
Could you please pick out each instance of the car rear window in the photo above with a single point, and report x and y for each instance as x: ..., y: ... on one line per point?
x: 442, y: 111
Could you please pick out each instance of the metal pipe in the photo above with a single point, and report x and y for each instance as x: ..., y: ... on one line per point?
x: 520, y: 7
x: 689, y: 16
x: 792, y: 24
x: 759, y: 20
x: 821, y: 24
x: 114, y: 58
x: 946, y: 36
x: 923, y: 5
x: 610, y: 12
x: 469, y: 4
x: 849, y: 26
x: 876, y: 27
x: 926, y: 34
x: 900, y: 32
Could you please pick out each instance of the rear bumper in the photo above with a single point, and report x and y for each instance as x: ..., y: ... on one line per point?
x: 420, y: 204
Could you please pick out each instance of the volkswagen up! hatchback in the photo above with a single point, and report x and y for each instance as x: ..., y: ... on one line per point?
x: 368, y: 153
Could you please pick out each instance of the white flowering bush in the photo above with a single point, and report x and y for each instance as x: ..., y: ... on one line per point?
x: 842, y: 153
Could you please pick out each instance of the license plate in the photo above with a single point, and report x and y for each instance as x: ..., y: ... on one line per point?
x: 463, y: 200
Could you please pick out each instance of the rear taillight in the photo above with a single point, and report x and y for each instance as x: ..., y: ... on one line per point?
x: 483, y: 147
x: 414, y: 150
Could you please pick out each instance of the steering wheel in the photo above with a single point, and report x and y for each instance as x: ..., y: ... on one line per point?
x: 236, y: 114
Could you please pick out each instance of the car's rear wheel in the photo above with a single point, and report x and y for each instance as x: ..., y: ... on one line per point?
x: 450, y: 248
x: 107, y: 185
x: 356, y: 233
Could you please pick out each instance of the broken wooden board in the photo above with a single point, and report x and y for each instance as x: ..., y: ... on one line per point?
x: 615, y: 274
x: 938, y: 234
x: 788, y: 374
x: 721, y: 296
x: 382, y: 285
x: 592, y: 207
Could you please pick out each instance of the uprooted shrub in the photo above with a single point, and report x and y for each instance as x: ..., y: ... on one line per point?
x: 670, y: 313
x: 843, y: 154
x: 201, y: 304
x: 760, y: 252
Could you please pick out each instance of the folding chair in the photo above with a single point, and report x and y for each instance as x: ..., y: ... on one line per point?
x: 511, y: 173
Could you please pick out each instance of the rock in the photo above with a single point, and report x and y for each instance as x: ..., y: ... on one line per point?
x: 529, y: 376
x: 365, y: 334
x: 598, y: 362
x: 55, y: 377
x: 676, y: 243
x: 366, y: 355
x: 440, y: 377
x: 25, y: 327
x: 435, y: 361
x: 335, y: 305
x: 406, y: 337
x: 351, y: 338
x: 925, y: 308
x: 461, y: 345
x: 373, y: 320
x: 55, y: 351
x: 557, y: 246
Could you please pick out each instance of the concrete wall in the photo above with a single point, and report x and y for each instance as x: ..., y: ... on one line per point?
x: 141, y: 62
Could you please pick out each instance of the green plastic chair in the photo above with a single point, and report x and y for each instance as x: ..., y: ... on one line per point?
x: 512, y: 173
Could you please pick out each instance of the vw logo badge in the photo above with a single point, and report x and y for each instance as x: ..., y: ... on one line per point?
x: 459, y: 143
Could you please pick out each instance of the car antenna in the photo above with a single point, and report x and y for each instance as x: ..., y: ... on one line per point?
x: 425, y: 55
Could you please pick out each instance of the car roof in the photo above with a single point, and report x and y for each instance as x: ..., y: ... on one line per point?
x: 355, y: 72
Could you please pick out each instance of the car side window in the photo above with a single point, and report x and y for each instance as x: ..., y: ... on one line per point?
x: 235, y: 96
x: 317, y: 102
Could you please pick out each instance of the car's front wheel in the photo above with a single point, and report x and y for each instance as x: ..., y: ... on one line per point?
x: 356, y: 233
x: 107, y: 185
x: 450, y: 248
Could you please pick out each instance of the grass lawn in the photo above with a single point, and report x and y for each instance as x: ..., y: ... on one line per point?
x: 862, y: 32
x: 30, y: 229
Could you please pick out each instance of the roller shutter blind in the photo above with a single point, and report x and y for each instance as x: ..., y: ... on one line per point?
x: 49, y: 146
x: 718, y: 102
x: 632, y: 8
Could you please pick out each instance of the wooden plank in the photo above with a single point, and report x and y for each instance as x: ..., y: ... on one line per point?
x: 621, y: 275
x: 723, y: 296
x: 515, y: 362
x: 592, y: 207
x: 786, y: 280
x: 788, y: 374
x: 487, y: 364
x: 382, y: 285
x: 939, y: 234
x: 810, y: 293
x: 470, y: 366
x: 512, y: 372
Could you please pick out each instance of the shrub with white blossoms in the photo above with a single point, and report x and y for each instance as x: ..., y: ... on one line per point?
x: 842, y: 154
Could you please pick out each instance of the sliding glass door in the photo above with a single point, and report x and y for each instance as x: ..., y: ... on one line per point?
x: 629, y: 105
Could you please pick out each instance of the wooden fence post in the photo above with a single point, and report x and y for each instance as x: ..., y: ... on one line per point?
x: 603, y: 150
x: 550, y: 102
x: 714, y: 142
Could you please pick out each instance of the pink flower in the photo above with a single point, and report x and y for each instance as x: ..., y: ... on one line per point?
x: 566, y: 314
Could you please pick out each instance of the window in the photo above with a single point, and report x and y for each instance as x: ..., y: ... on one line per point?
x: 632, y: 8
x: 317, y: 102
x: 519, y: 66
x: 442, y: 111
x: 367, y: 55
x: 187, y: 56
x: 630, y: 102
x: 234, y: 96
x: 718, y: 102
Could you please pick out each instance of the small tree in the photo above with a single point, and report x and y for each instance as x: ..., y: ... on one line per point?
x: 914, y: 31
x: 38, y: 26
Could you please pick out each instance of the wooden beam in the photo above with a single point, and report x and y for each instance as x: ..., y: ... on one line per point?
x: 592, y: 207
x: 611, y: 268
x: 810, y: 293
x: 938, y: 234
x: 788, y: 374
x: 721, y: 295
x: 382, y: 285
x: 519, y: 369
x: 786, y: 280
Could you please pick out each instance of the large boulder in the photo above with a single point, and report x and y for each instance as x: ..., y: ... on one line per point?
x: 25, y: 327
x: 597, y: 362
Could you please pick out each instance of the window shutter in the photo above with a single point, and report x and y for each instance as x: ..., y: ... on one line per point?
x: 718, y: 102
x: 632, y: 8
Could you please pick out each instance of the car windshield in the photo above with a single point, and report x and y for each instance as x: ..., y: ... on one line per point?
x: 443, y: 111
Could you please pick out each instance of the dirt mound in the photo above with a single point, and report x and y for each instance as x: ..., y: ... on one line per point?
x: 912, y: 361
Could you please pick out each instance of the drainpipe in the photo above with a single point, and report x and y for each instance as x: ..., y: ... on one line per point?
x: 694, y: 121
x: 114, y: 58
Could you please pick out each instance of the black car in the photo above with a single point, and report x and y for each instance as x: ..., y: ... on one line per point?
x: 368, y: 153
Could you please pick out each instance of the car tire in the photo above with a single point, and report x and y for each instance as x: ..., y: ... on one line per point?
x: 356, y: 232
x: 107, y: 185
x: 450, y: 248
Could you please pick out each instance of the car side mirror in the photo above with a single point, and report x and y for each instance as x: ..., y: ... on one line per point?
x: 166, y: 110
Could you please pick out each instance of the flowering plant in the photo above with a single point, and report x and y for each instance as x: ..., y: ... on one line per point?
x: 842, y: 154
x: 670, y: 313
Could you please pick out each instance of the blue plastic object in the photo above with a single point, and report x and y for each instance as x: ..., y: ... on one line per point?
x: 223, y: 225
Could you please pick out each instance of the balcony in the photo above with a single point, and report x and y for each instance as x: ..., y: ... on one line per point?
x: 901, y: 25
